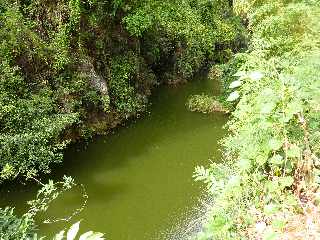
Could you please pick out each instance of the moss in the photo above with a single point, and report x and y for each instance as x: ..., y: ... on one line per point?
x: 205, y: 104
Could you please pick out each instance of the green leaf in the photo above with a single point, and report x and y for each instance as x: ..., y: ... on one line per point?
x: 261, y: 159
x: 72, y: 232
x: 86, y: 235
x: 59, y: 236
x: 292, y: 108
x: 244, y: 164
x: 267, y: 93
x: 272, y: 186
x: 267, y: 107
x: 291, y: 200
x: 275, y: 144
x: 294, y: 151
x: 270, y: 235
x: 218, y: 223
x: 234, y: 181
x: 271, y: 209
x: 239, y: 74
x: 233, y: 96
x: 91, y: 236
x: 276, y: 159
x: 256, y: 75
x: 235, y: 84
x: 278, y: 224
x: 295, y: 107
x: 286, y: 181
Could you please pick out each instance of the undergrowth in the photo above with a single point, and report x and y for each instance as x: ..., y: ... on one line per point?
x: 270, y: 174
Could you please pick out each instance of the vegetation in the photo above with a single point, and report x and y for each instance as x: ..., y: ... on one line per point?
x: 267, y: 187
x: 73, y: 231
x: 13, y: 227
x: 205, y: 104
x: 70, y: 69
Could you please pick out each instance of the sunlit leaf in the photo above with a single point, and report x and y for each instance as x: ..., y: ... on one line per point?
x: 233, y: 96
x: 59, y: 236
x: 218, y: 222
x: 294, y: 151
x: 292, y: 109
x: 72, y: 232
x: 276, y: 159
x: 234, y: 181
x: 244, y: 164
x: 256, y: 75
x: 278, y: 224
x: 86, y: 235
x: 91, y: 236
x: 239, y: 74
x: 261, y: 159
x: 267, y: 108
x: 270, y: 235
x: 275, y: 144
x: 286, y: 181
x: 235, y: 84
x: 270, y: 209
x: 272, y: 186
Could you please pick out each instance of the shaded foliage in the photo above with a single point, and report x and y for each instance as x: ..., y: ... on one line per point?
x: 66, y: 64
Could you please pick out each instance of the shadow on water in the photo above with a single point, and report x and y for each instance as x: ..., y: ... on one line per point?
x: 138, y: 178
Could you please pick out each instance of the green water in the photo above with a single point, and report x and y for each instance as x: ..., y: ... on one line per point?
x: 139, y: 178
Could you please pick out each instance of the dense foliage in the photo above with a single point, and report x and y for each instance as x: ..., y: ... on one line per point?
x: 270, y: 178
x: 13, y: 227
x: 70, y: 68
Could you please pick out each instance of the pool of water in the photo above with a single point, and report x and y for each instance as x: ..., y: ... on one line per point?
x: 138, y: 178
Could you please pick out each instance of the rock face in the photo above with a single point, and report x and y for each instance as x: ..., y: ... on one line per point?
x: 96, y: 81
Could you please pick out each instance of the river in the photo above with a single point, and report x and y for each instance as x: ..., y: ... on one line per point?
x: 138, y: 178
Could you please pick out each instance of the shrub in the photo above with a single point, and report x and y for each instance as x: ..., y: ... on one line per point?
x: 13, y: 227
x: 205, y: 104
x: 273, y: 161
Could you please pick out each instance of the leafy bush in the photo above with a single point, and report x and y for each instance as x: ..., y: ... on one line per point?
x: 122, y: 89
x: 193, y: 28
x: 273, y: 146
x: 13, y: 227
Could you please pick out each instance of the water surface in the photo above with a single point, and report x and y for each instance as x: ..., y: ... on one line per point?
x: 139, y: 178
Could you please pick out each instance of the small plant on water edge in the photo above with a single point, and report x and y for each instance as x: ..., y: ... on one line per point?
x: 71, y: 234
x: 13, y: 227
x: 205, y: 104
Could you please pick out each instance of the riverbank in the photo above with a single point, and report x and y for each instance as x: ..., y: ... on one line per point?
x: 71, y: 70
x: 138, y: 178
x: 268, y: 181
